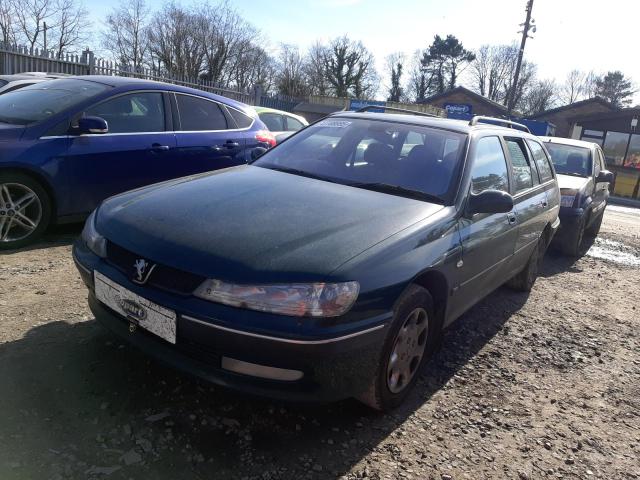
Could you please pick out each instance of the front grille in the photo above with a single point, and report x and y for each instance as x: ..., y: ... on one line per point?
x: 162, y: 277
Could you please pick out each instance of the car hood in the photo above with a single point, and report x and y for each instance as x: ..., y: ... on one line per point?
x: 251, y: 224
x: 573, y: 182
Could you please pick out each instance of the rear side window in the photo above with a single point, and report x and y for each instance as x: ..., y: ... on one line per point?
x: 273, y: 121
x: 522, y: 172
x: 132, y: 113
x: 242, y: 120
x: 540, y: 157
x: 293, y: 125
x: 489, y: 166
x: 198, y: 114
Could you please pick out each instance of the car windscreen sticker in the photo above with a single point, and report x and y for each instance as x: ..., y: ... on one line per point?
x: 333, y: 123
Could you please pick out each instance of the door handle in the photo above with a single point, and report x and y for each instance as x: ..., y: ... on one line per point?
x: 160, y: 148
x: 511, y: 217
x: 231, y: 144
x: 543, y: 204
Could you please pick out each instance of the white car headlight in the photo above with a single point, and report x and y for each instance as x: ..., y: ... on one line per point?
x: 94, y: 241
x: 299, y: 300
x: 567, y: 197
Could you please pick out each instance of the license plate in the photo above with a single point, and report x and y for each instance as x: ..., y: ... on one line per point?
x: 138, y: 310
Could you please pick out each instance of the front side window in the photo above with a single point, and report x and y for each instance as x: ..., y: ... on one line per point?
x: 489, y: 166
x: 293, y: 124
x: 44, y: 99
x: 542, y: 162
x: 374, y: 155
x: 132, y: 113
x: 524, y: 175
x: 199, y: 114
x: 273, y: 121
x: 570, y: 159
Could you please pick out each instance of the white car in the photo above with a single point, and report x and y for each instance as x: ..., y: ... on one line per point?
x: 281, y: 124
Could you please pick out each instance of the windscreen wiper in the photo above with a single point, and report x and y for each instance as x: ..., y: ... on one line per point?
x: 398, y: 190
x: 296, y: 171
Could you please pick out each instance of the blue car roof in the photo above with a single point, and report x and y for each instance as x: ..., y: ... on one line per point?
x: 124, y: 82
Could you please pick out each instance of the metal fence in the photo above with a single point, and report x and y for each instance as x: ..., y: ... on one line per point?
x: 18, y: 59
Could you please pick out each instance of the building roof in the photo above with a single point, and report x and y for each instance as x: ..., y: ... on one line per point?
x: 476, y: 96
x: 622, y: 112
x: 573, y: 105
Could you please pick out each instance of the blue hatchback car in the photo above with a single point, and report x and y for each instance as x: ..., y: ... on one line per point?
x: 67, y: 144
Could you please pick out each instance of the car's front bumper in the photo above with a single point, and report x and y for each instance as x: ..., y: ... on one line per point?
x: 334, y: 367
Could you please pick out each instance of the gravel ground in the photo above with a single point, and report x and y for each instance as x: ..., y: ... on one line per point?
x: 544, y: 385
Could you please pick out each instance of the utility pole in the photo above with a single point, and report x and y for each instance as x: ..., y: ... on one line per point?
x: 44, y: 24
x: 528, y: 24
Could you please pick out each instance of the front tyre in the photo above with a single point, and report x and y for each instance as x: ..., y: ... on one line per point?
x: 572, y: 243
x: 410, y: 341
x: 25, y: 210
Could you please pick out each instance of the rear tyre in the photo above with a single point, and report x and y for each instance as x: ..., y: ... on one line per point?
x: 524, y: 281
x: 25, y: 210
x: 594, y: 228
x: 572, y: 243
x: 411, y: 340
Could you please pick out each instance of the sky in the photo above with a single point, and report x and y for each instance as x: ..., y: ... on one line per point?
x: 599, y: 35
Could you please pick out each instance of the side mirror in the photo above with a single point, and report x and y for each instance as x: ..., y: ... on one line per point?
x: 257, y: 152
x: 490, y: 201
x: 88, y: 125
x: 604, y: 176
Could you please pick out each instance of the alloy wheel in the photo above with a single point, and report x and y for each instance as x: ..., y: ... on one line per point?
x: 20, y: 212
x: 408, y: 350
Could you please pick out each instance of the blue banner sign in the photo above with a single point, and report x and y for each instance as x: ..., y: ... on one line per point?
x: 458, y: 108
x: 355, y: 104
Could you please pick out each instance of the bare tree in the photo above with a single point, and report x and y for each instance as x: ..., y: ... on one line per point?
x: 30, y: 17
x: 420, y: 80
x: 315, y: 70
x: 71, y: 23
x: 492, y: 70
x: 175, y: 41
x: 290, y: 76
x: 525, y: 81
x: 395, y: 66
x: 125, y: 36
x: 350, y: 68
x: 573, y: 88
x: 590, y: 87
x: 7, y: 21
x: 226, y: 39
x: 540, y: 96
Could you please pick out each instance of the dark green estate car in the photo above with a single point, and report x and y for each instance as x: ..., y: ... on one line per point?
x: 329, y: 266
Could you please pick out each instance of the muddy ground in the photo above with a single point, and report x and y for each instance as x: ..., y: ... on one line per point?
x: 545, y: 385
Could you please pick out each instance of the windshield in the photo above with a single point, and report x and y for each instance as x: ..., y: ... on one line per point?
x: 569, y: 159
x: 42, y: 100
x: 395, y: 158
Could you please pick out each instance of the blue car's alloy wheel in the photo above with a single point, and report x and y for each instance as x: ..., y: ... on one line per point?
x: 24, y: 210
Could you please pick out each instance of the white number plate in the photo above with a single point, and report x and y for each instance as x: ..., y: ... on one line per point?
x: 148, y: 315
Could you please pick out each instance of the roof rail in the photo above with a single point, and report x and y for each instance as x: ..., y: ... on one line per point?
x: 394, y: 109
x: 500, y: 121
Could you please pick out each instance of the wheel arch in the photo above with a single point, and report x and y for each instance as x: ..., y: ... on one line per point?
x: 42, y: 180
x: 435, y: 282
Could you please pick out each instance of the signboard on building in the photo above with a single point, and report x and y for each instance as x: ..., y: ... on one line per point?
x: 355, y: 104
x: 458, y: 109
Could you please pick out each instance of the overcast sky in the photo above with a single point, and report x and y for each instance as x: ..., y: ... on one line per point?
x: 583, y: 34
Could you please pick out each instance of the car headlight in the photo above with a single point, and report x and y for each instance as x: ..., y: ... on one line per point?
x: 567, y: 197
x: 94, y: 241
x: 299, y: 300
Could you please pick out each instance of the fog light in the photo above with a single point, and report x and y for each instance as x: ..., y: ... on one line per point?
x: 262, y: 371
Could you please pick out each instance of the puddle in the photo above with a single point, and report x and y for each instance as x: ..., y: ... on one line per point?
x: 616, y: 252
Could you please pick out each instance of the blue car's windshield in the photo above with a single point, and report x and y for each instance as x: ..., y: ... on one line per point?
x: 396, y: 158
x: 42, y: 100
x: 569, y: 159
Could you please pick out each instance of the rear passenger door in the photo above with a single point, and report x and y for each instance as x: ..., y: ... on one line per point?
x: 207, y: 136
x: 488, y: 240
x: 529, y: 197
